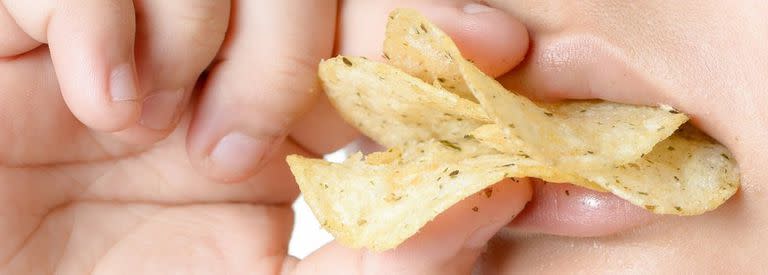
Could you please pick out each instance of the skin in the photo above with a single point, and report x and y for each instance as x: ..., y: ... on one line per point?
x: 77, y: 198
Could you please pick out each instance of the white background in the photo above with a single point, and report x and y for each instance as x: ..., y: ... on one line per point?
x: 307, y: 233
x: 308, y: 236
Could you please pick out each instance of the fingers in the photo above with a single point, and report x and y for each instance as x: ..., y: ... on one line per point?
x: 91, y: 47
x: 265, y: 77
x: 495, y: 41
x: 450, y: 244
x: 176, y: 41
x: 91, y: 44
x: 112, y: 80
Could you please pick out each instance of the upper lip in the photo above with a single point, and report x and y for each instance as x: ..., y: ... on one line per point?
x: 582, y: 66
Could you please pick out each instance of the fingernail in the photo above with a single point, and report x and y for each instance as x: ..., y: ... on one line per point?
x: 475, y: 8
x: 238, y: 152
x: 159, y: 109
x: 481, y: 236
x: 122, y: 83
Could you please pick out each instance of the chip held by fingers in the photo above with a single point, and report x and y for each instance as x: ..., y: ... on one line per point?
x: 453, y: 131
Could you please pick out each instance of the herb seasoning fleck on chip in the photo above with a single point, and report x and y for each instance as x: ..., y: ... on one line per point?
x: 450, y: 145
x: 454, y: 173
x: 346, y: 61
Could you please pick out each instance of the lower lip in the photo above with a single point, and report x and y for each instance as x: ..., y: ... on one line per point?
x: 568, y: 210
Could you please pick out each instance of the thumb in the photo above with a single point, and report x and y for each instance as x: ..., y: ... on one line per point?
x: 450, y: 244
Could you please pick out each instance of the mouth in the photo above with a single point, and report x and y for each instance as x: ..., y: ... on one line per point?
x: 579, y: 67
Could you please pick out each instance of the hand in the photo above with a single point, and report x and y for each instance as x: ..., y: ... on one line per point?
x: 85, y: 190
x: 127, y: 70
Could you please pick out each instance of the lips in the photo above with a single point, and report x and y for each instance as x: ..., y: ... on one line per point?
x: 564, y: 209
x: 578, y: 67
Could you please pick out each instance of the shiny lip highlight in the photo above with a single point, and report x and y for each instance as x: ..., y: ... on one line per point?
x: 569, y: 210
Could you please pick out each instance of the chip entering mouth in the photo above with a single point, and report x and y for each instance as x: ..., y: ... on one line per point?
x: 454, y: 131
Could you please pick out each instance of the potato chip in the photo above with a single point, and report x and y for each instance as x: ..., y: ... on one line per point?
x: 572, y: 135
x: 420, y: 49
x: 686, y: 174
x: 445, y: 146
x: 379, y: 204
x: 577, y: 135
x: 392, y: 107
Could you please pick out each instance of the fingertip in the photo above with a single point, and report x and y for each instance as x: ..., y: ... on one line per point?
x: 122, y: 83
x: 161, y: 109
x: 117, y: 111
x: 233, y: 157
x: 168, y: 75
x: 494, y: 40
x: 237, y: 155
x: 97, y: 70
x: 102, y: 116
x: 159, y: 114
